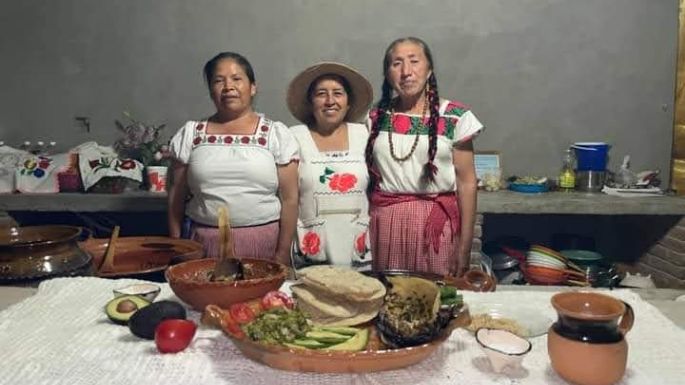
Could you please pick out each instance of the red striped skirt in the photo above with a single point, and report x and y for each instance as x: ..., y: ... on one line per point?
x: 248, y: 242
x: 398, y: 239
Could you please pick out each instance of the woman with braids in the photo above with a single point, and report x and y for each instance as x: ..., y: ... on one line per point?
x: 420, y: 160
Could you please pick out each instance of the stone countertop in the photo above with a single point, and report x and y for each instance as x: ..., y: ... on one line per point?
x: 500, y: 202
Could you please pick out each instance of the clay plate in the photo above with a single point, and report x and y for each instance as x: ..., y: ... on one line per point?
x: 321, y: 361
x: 141, y: 255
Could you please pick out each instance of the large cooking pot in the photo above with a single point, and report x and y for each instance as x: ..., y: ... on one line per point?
x: 40, y: 251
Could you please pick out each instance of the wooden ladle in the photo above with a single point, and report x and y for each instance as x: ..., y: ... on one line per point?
x: 108, y: 260
x: 227, y: 268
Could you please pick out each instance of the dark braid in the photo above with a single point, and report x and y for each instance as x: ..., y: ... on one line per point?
x: 381, y: 120
x: 430, y: 169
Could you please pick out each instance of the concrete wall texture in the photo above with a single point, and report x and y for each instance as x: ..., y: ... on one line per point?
x: 540, y: 74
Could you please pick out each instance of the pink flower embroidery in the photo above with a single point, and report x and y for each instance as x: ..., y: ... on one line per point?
x: 261, y: 141
x: 311, y: 243
x: 265, y: 128
x: 245, y: 139
x: 197, y: 141
x: 342, y: 182
x: 211, y: 139
x: 441, y: 126
x: 228, y: 139
x: 199, y: 126
x: 402, y: 124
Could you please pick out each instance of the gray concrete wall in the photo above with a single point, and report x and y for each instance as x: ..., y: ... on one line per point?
x: 539, y: 73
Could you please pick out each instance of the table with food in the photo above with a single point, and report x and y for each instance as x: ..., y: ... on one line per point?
x: 331, y: 325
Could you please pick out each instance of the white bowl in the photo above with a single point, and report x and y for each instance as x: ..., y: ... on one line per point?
x: 147, y: 291
x: 504, y: 349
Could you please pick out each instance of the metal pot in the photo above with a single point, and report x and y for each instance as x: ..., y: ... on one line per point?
x: 40, y: 251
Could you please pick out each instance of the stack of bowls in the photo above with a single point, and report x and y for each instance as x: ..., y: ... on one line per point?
x: 598, y: 271
x: 548, y: 267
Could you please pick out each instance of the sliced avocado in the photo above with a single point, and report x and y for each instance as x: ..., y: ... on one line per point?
x: 120, y: 309
x: 309, y: 344
x: 345, y: 330
x: 144, y: 321
x: 327, y: 337
x: 356, y: 343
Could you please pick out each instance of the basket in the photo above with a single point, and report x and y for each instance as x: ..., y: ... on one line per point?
x: 114, y: 185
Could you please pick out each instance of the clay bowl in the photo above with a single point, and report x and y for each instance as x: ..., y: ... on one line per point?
x: 141, y: 256
x: 190, y: 282
x: 544, y: 275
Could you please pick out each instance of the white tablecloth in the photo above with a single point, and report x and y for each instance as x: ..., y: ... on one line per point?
x: 62, y: 336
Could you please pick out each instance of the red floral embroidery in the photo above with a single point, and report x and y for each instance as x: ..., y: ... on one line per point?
x: 342, y: 182
x: 311, y: 243
x: 94, y: 163
x: 197, y: 141
x: 44, y: 164
x: 265, y: 128
x: 211, y: 139
x: 245, y: 139
x: 261, y: 141
x: 228, y: 139
x: 360, y: 244
x: 402, y: 124
x: 127, y: 164
x: 441, y: 126
x: 199, y: 126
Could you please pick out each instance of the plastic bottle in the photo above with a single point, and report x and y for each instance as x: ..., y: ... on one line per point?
x: 567, y: 176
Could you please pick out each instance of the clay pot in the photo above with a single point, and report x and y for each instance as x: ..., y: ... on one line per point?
x: 40, y: 251
x: 587, y: 344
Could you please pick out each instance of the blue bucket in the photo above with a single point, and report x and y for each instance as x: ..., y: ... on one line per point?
x: 591, y: 156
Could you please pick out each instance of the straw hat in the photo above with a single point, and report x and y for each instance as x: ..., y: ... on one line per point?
x: 362, y: 91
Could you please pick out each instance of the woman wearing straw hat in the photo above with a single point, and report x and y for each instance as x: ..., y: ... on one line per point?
x: 235, y: 158
x: 420, y: 158
x: 332, y: 225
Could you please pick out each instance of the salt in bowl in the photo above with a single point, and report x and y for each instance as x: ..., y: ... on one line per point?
x: 147, y: 291
x: 503, y: 348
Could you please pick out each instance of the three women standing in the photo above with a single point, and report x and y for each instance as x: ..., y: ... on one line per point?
x: 420, y: 159
x: 333, y: 178
x: 239, y: 159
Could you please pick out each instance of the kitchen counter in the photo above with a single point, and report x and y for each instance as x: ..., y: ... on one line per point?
x: 500, y: 202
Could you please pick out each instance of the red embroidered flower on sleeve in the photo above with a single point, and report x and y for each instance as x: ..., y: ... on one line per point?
x: 261, y: 141
x: 245, y: 139
x: 402, y: 124
x: 342, y: 182
x: 360, y: 244
x: 211, y: 139
x: 311, y: 243
x: 228, y: 139
x: 197, y: 141
x: 199, y: 126
x: 265, y: 128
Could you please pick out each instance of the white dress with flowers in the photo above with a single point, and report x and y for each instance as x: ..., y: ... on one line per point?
x: 238, y: 171
x: 333, y: 216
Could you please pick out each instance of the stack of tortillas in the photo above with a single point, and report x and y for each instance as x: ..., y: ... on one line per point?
x: 338, y: 296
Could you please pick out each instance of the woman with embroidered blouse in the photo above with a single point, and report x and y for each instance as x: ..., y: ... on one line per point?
x: 420, y: 159
x: 333, y: 217
x: 239, y: 159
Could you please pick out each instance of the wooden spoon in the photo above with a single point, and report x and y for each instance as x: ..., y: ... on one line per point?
x: 227, y: 267
x: 107, y: 264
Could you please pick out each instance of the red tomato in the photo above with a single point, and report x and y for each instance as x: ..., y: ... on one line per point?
x: 241, y: 312
x: 256, y: 306
x: 233, y: 328
x: 174, y: 335
x: 277, y: 298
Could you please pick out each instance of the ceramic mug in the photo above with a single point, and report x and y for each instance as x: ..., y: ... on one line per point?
x: 587, y: 344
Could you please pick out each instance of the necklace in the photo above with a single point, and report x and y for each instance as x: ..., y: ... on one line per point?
x: 416, y: 136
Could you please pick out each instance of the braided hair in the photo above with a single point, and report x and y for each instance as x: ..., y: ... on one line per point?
x: 384, y: 105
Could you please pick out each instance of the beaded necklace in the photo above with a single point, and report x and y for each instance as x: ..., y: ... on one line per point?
x: 416, y: 136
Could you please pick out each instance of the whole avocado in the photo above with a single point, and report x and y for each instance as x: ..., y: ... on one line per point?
x: 144, y: 321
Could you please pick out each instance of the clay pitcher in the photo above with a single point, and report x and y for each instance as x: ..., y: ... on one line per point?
x: 587, y: 344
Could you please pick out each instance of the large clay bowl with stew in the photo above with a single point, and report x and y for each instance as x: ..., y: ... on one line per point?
x: 190, y: 281
x: 40, y: 251
x: 141, y: 257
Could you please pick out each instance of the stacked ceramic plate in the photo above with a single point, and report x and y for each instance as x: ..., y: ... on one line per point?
x: 548, y: 267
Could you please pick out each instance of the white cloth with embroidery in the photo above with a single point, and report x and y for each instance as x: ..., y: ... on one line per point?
x: 38, y: 173
x: 97, y: 162
x: 238, y: 171
x: 456, y: 124
x: 61, y: 335
x: 333, y: 217
x: 11, y: 159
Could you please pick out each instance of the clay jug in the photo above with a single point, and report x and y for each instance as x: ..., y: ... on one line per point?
x: 587, y: 344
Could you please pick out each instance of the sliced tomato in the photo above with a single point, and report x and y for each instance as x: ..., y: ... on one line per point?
x: 233, y: 328
x: 241, y: 313
x: 256, y: 306
x: 277, y: 298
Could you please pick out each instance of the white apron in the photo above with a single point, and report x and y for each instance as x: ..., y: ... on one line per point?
x: 333, y: 217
